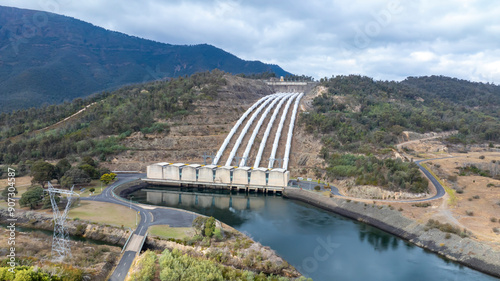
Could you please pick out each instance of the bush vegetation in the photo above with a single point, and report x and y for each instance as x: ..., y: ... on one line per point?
x: 446, y: 227
x: 173, y: 265
x: 98, y: 130
x: 369, y: 170
x: 146, y: 268
x: 358, y: 117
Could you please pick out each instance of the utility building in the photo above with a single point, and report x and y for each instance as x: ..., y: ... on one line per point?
x: 206, y: 173
x: 240, y: 175
x: 258, y: 177
x: 155, y: 171
x: 223, y: 174
x: 278, y: 177
x: 173, y: 171
x: 190, y: 172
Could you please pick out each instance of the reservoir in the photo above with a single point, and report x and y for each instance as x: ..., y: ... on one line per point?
x: 320, y: 244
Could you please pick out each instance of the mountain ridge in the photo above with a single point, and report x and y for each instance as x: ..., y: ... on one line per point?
x: 50, y: 58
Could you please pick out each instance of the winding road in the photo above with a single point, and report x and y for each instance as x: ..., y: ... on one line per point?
x: 440, y: 191
x: 150, y: 215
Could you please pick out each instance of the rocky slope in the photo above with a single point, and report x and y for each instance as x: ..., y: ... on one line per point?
x: 463, y: 250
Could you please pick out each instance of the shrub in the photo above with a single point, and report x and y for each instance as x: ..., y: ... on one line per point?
x: 146, y: 267
x: 476, y: 197
x: 452, y: 178
x: 210, y: 227
x: 218, y: 235
x: 445, y: 227
x: 80, y: 229
x: 496, y: 230
x: 317, y: 188
x: 481, y: 157
x: 447, y: 236
x: 460, y: 191
x: 493, y: 219
x: 469, y: 213
x: 422, y: 205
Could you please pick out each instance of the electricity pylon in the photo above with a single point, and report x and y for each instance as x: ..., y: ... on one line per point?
x: 60, y: 240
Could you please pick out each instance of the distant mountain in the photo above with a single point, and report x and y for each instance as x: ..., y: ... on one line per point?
x: 49, y: 58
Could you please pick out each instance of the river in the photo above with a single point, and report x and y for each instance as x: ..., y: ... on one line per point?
x: 320, y: 244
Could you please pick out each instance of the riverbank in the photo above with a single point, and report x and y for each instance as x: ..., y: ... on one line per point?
x: 235, y: 250
x: 465, y: 251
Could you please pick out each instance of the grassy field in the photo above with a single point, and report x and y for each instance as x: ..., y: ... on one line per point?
x: 165, y: 231
x: 105, y: 213
x: 95, y: 184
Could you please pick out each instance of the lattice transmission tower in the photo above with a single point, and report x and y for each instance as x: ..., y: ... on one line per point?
x: 60, y: 240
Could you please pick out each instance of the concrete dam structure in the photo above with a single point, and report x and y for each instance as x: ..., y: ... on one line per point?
x: 260, y: 139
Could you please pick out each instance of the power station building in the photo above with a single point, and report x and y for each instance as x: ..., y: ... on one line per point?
x: 181, y: 174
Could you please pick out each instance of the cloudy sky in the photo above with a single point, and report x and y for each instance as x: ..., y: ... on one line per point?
x: 384, y: 39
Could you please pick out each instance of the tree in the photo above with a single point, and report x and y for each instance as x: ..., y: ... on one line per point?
x: 62, y: 167
x: 31, y: 197
x: 74, y: 176
x: 47, y: 204
x: 107, y: 178
x: 88, y: 160
x: 210, y: 227
x: 90, y: 170
x: 92, y: 189
x: 42, y: 172
x: 198, y: 224
x: 5, y: 192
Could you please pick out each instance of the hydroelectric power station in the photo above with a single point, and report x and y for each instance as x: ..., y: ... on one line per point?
x: 278, y: 110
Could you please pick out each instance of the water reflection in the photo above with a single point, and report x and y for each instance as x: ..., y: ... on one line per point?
x: 324, y: 245
x: 379, y: 242
x: 202, y: 200
x: 233, y: 206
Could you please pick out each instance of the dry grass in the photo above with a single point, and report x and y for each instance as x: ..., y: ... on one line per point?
x: 105, y: 213
x: 165, y: 231
x: 480, y: 196
x: 21, y: 184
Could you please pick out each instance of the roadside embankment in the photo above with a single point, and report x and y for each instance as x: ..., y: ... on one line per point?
x: 462, y: 250
x: 37, y: 220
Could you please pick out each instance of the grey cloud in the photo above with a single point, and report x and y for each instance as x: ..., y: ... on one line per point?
x: 385, y: 39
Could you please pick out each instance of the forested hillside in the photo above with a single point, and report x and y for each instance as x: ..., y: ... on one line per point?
x: 462, y: 92
x: 98, y: 130
x: 357, y: 115
x: 62, y: 58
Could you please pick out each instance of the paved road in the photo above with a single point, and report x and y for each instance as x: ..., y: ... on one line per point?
x: 148, y: 216
x: 440, y: 192
x: 439, y: 188
x: 177, y: 218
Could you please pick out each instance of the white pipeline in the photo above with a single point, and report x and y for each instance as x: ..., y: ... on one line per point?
x: 268, y: 130
x: 278, y: 132
x: 235, y: 127
x: 245, y: 129
x: 256, y: 130
x: 290, y: 133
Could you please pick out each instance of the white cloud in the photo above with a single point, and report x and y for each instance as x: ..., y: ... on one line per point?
x: 384, y: 39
